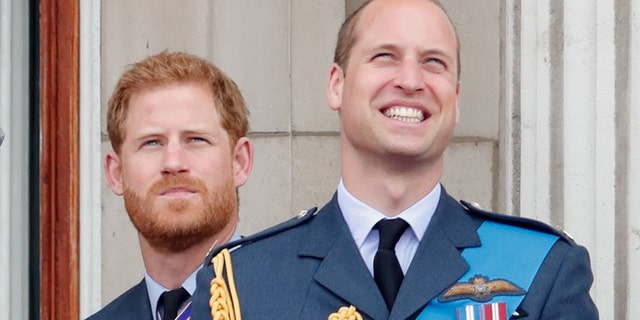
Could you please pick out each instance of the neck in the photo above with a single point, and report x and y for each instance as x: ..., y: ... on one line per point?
x: 390, y: 186
x: 171, y: 269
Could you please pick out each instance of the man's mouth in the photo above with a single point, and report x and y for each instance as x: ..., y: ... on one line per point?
x: 174, y: 191
x: 405, y: 114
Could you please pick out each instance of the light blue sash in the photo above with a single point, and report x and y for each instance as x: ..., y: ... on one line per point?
x: 508, y: 253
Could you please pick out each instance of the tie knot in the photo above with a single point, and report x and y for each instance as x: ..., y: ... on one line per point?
x: 172, y: 300
x: 390, y: 232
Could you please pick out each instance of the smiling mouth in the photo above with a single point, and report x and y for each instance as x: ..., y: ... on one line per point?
x: 405, y: 114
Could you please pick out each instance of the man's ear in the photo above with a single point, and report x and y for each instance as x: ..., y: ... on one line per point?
x: 242, y: 161
x: 113, y: 172
x: 334, y: 87
x: 457, y: 101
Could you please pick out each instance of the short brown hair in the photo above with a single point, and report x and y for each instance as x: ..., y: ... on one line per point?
x: 347, y: 36
x: 168, y: 68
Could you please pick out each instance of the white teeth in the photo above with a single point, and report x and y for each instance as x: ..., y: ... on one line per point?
x: 404, y: 114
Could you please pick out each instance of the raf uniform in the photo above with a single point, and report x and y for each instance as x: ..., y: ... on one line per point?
x: 143, y: 300
x: 136, y: 302
x: 310, y: 268
x: 133, y: 304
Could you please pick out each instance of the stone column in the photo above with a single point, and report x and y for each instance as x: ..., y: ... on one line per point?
x: 567, y: 142
x: 14, y: 159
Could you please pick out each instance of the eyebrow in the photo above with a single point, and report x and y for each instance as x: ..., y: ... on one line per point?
x: 393, y: 46
x: 445, y: 54
x: 385, y: 46
x: 151, y: 133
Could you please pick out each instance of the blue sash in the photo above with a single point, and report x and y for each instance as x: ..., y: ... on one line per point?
x: 507, y: 253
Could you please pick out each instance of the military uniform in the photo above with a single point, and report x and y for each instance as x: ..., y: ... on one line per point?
x: 133, y: 304
x: 310, y: 267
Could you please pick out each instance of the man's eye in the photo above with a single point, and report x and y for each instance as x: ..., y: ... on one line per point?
x: 435, y: 61
x: 436, y: 65
x: 196, y: 139
x: 382, y: 55
x: 151, y: 143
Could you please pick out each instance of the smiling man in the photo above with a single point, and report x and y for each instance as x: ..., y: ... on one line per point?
x: 178, y: 129
x: 392, y: 244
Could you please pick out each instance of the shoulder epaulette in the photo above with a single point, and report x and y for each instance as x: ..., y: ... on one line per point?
x: 523, y: 222
x: 301, y: 218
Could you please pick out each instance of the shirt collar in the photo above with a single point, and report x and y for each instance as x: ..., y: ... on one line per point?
x: 155, y: 290
x: 361, y: 218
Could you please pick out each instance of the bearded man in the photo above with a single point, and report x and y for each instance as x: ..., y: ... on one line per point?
x: 177, y: 126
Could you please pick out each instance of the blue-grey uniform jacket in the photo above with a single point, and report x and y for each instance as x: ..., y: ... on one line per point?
x: 310, y: 267
x: 131, y: 305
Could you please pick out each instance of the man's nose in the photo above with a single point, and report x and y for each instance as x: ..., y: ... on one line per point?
x: 175, y: 158
x: 410, y: 76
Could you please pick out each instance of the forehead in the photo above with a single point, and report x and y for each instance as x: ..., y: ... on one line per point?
x: 405, y: 20
x: 187, y: 105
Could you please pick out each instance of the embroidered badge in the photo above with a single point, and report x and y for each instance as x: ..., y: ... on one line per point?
x: 489, y: 311
x: 480, y: 288
x: 346, y: 313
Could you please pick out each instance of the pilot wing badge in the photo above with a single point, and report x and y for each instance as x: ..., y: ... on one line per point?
x: 480, y: 288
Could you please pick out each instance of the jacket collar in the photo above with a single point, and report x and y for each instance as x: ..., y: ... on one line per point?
x: 436, y: 265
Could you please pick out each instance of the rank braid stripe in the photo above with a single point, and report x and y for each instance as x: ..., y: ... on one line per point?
x: 224, y: 303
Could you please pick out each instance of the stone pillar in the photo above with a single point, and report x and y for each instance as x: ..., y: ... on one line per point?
x: 14, y: 159
x: 567, y: 142
x: 628, y: 257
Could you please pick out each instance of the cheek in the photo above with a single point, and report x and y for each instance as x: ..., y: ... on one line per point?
x: 139, y: 176
x: 214, y: 171
x: 446, y: 94
x: 366, y: 85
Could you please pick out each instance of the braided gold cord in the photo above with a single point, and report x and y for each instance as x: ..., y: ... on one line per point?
x: 224, y: 304
x: 346, y: 313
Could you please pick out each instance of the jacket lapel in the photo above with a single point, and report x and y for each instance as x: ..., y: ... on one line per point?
x: 436, y: 266
x: 342, y: 270
x: 437, y: 263
x: 134, y: 304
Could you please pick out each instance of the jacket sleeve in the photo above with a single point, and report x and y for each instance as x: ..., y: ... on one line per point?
x: 569, y: 296
x: 560, y: 289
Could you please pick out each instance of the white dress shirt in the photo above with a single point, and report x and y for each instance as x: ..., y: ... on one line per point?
x: 361, y: 219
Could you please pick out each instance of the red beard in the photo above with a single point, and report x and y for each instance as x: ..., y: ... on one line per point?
x: 175, y: 225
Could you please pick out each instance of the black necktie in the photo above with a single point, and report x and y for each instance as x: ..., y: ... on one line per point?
x: 386, y: 268
x: 171, y: 302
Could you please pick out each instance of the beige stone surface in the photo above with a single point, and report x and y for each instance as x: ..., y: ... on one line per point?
x: 469, y: 171
x: 315, y: 26
x: 250, y: 41
x: 478, y: 25
x: 290, y: 174
x: 265, y: 199
x: 132, y: 30
x: 316, y: 170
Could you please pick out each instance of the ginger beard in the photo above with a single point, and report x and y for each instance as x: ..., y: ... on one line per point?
x: 175, y: 225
